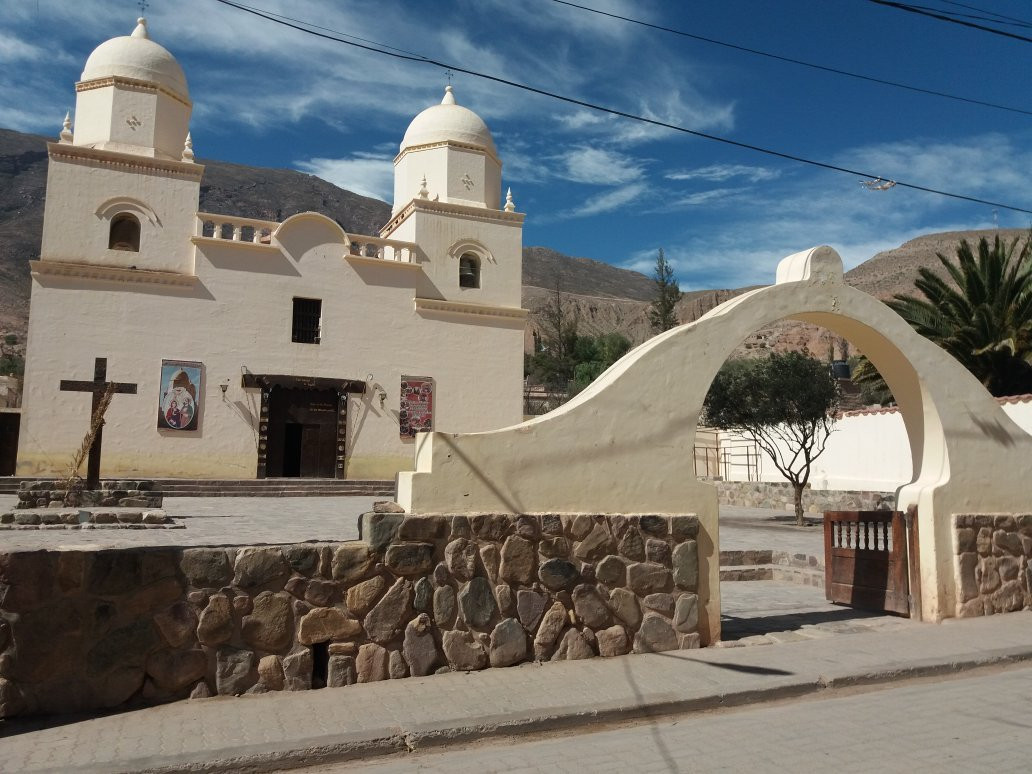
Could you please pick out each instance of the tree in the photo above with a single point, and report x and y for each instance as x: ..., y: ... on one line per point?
x: 784, y: 403
x: 873, y: 388
x: 11, y: 363
x: 595, y: 354
x: 662, y: 312
x: 981, y: 312
x: 553, y: 362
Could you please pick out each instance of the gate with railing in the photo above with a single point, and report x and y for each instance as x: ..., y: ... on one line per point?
x: 866, y: 560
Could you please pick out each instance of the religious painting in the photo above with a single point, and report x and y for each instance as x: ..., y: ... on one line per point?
x: 179, y: 404
x: 417, y: 405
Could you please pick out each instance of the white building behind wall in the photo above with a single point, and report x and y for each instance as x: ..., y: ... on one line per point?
x: 303, y: 349
x: 868, y: 450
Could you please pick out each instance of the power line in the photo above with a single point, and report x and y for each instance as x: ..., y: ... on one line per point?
x: 612, y: 111
x: 790, y: 60
x: 984, y: 14
x: 945, y: 18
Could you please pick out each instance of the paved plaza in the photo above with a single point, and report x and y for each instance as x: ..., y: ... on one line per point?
x: 214, y: 521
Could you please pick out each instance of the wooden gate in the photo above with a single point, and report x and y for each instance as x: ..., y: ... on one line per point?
x: 865, y: 560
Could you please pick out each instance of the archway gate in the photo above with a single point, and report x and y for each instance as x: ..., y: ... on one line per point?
x: 624, y: 445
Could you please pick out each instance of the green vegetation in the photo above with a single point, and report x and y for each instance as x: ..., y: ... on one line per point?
x: 564, y: 361
x: 663, y: 312
x: 11, y: 363
x: 784, y: 402
x: 980, y: 312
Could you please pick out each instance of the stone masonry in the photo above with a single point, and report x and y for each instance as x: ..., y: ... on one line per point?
x: 52, y: 493
x: 84, y: 630
x: 993, y: 563
x: 774, y: 494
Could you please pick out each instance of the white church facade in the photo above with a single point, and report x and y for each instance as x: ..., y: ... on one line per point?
x: 246, y: 348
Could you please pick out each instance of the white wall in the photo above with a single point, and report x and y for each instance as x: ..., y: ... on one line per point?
x: 237, y: 315
x: 865, y: 451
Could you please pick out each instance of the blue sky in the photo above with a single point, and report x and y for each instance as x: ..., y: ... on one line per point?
x: 591, y: 184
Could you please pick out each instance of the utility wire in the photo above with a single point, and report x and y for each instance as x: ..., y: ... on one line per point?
x: 613, y: 111
x: 1003, y: 17
x: 800, y: 62
x: 951, y: 20
x: 983, y: 15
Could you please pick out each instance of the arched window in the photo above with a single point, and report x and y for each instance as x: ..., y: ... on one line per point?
x: 469, y: 271
x: 125, y: 233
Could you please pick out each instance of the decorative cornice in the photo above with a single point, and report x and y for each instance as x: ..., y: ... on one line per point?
x: 53, y: 268
x: 131, y: 83
x: 469, y: 308
x: 108, y: 158
x: 448, y: 144
x: 483, y: 214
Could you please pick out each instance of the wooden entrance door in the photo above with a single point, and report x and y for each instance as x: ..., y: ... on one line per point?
x: 302, y: 433
x: 865, y: 560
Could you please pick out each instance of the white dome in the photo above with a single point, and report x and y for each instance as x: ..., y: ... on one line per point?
x: 449, y: 121
x: 136, y: 56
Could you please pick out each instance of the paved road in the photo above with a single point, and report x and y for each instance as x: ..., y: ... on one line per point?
x: 978, y: 723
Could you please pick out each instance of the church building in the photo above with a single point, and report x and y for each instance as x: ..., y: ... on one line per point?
x: 226, y: 347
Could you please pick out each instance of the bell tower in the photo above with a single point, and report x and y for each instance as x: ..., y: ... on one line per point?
x: 447, y: 198
x: 122, y: 185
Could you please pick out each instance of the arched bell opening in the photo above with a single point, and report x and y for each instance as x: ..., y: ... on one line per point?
x: 124, y: 233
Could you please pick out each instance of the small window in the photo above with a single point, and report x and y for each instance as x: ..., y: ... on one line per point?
x: 125, y: 233
x: 469, y: 271
x: 307, y: 318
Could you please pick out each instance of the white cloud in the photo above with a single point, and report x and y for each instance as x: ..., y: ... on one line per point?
x: 606, y: 202
x: 367, y: 174
x: 598, y: 166
x: 712, y: 196
x: 719, y: 173
x: 987, y: 166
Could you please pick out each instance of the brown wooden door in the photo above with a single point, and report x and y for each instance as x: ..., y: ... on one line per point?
x: 865, y: 560
x: 302, y: 433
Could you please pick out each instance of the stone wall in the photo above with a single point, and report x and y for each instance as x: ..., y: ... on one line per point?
x: 993, y: 563
x: 769, y: 494
x: 53, y: 493
x: 95, y: 629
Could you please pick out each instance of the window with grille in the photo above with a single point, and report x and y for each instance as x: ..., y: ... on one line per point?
x: 307, y: 317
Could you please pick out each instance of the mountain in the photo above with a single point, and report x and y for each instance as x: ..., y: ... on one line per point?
x: 606, y: 298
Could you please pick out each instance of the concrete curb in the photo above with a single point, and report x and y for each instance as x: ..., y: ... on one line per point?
x: 349, y: 746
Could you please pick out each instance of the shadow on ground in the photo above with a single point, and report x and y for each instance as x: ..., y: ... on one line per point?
x: 736, y: 627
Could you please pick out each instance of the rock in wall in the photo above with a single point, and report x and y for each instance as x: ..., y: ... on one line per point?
x: 993, y: 563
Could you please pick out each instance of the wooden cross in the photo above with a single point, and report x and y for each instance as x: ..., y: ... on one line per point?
x: 98, y: 387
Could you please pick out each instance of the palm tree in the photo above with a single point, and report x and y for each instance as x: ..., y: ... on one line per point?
x: 981, y: 313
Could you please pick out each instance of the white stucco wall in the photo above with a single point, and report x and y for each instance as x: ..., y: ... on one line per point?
x: 236, y: 316
x: 866, y: 451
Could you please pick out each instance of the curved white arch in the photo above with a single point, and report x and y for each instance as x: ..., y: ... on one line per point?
x: 624, y: 444
x: 317, y: 219
x: 119, y: 204
x: 479, y: 249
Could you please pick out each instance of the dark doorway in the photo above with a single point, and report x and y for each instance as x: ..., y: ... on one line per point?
x: 302, y: 433
x: 9, y: 422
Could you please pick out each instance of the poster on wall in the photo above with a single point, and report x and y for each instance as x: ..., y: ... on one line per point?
x: 417, y: 405
x: 179, y: 404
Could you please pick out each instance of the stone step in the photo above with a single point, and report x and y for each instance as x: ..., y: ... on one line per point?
x: 268, y: 487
